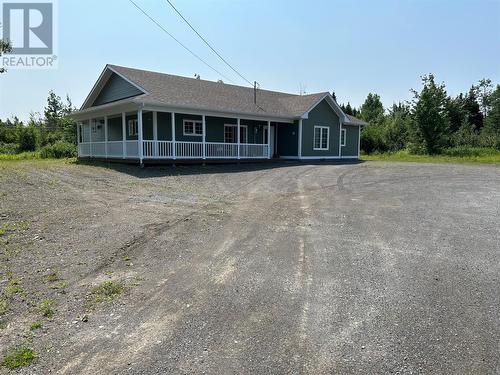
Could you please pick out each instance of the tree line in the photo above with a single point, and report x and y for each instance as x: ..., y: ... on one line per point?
x: 54, y: 134
x: 432, y: 121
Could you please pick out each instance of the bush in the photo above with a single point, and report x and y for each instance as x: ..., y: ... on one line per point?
x: 8, y: 148
x: 28, y: 140
x: 60, y: 149
x: 372, y: 139
x: 465, y: 151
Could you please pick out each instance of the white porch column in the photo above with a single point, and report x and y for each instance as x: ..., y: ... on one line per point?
x: 238, y: 132
x: 90, y: 137
x: 155, y: 133
x: 139, y: 131
x: 269, y: 139
x: 174, y: 151
x: 78, y: 125
x: 204, y: 136
x: 300, y: 140
x: 124, y: 135
x: 106, y: 136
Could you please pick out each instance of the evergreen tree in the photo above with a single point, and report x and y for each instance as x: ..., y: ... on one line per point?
x: 372, y: 109
x: 472, y: 109
x: 491, y: 130
x: 430, y: 123
x: 5, y: 47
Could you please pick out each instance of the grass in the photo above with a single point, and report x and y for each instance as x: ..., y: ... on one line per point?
x: 46, y: 308
x: 59, y: 285
x: 108, y: 290
x: 8, y: 228
x: 35, y: 326
x: 53, y: 276
x: 21, y: 156
x: 12, y: 285
x: 455, y: 155
x: 19, y: 356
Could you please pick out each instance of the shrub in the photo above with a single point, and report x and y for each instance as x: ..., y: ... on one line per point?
x: 60, y: 149
x: 464, y: 151
x: 8, y: 148
x: 372, y: 139
x: 108, y: 290
x: 28, y: 140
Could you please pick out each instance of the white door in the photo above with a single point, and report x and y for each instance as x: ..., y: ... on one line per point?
x: 272, y: 138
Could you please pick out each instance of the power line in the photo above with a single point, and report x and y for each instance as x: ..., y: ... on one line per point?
x: 177, y: 40
x: 208, y: 44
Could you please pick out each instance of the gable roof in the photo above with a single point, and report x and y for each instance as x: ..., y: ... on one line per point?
x: 169, y: 90
x: 351, y: 120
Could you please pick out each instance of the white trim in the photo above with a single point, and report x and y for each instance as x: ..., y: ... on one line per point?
x: 344, y: 132
x: 172, y: 124
x: 106, y: 135
x: 124, y: 134
x: 135, y: 124
x: 349, y: 157
x: 268, y: 139
x: 129, y: 81
x: 194, y: 128
x: 204, y: 131
x: 139, y: 136
x: 359, y: 142
x: 299, y: 147
x: 322, y: 128
x: 238, y: 127
x: 320, y: 157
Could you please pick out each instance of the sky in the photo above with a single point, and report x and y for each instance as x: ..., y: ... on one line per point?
x: 351, y: 47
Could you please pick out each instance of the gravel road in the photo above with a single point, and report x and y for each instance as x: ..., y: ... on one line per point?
x: 364, y: 268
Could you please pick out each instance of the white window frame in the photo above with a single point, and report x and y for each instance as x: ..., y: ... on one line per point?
x: 193, y: 134
x: 343, y: 135
x: 236, y: 126
x: 322, y: 129
x: 133, y: 127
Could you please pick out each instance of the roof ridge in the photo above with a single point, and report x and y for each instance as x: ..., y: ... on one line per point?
x: 214, y: 82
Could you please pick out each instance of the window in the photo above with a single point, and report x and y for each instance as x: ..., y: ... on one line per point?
x: 321, y: 137
x: 230, y: 133
x: 132, y: 127
x: 192, y: 127
x: 342, y: 137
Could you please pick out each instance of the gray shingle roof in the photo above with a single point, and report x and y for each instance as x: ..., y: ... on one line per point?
x: 171, y: 90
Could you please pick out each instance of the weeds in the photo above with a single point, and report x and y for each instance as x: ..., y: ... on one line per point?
x: 108, y: 290
x: 35, y: 326
x: 19, y: 356
x: 12, y: 285
x: 53, y: 276
x: 46, y: 308
x: 59, y: 285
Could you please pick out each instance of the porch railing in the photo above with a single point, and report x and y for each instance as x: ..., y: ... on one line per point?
x: 164, y: 150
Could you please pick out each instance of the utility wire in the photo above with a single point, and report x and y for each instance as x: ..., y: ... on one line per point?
x: 208, y: 44
x: 177, y: 40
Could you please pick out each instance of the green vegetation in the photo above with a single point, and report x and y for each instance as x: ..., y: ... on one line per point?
x: 19, y: 356
x: 108, y: 290
x: 53, y: 136
x: 6, y: 228
x: 4, y: 306
x: 46, y: 308
x: 12, y: 285
x: 59, y: 285
x: 465, y: 128
x: 35, y: 326
x: 53, y: 276
x: 453, y: 155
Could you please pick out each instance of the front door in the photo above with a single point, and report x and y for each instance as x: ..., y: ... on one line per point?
x: 272, y: 138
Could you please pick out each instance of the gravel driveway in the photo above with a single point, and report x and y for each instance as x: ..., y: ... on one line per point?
x: 290, y: 268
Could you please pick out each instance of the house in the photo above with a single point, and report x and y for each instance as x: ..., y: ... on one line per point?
x: 145, y: 116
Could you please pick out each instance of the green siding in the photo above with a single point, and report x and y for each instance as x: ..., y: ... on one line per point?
x: 321, y: 115
x: 116, y: 89
x: 147, y: 126
x: 115, y: 128
x: 288, y: 139
x: 351, y: 141
x: 164, y: 126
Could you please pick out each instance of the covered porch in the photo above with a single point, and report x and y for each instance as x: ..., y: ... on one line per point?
x: 150, y: 134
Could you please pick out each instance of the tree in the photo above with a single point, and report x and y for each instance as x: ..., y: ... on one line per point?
x: 396, y: 127
x: 484, y: 88
x: 334, y: 96
x: 5, y: 47
x: 57, y: 121
x: 372, y: 109
x: 429, y: 130
x: 28, y: 140
x: 491, y: 130
x: 472, y: 109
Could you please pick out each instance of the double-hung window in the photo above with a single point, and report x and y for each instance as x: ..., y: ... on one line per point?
x: 133, y: 127
x: 193, y: 127
x: 231, y: 133
x: 321, y: 137
x: 342, y: 137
